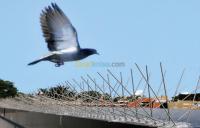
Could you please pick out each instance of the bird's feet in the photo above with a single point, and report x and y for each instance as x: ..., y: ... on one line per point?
x: 59, y: 64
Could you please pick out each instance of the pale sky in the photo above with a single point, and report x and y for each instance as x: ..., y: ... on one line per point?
x: 146, y: 32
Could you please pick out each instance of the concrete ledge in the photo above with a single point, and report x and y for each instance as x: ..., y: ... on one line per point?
x: 29, y: 119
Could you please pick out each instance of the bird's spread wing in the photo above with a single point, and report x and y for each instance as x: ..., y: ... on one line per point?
x: 57, y: 29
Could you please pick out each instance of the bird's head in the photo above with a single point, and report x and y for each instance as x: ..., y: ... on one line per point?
x: 89, y: 51
x: 94, y: 51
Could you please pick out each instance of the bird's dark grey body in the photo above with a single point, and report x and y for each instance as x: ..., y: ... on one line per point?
x: 61, y: 38
x: 65, y: 56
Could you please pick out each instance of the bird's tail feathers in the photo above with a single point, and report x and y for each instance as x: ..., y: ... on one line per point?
x: 45, y: 57
x: 36, y: 61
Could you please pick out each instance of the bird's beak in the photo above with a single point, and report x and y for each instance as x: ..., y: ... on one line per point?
x: 97, y: 53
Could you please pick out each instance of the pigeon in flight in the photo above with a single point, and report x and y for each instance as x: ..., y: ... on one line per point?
x: 61, y: 38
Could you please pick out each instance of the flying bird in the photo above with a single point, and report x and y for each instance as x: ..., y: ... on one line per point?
x: 61, y: 38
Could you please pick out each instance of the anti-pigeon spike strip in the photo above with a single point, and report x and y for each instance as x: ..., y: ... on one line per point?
x: 73, y: 99
x: 179, y: 82
x: 164, y: 84
x: 87, y: 96
x: 106, y: 82
x: 119, y: 96
x: 99, y: 87
x: 150, y: 104
x: 154, y: 93
x: 117, y: 92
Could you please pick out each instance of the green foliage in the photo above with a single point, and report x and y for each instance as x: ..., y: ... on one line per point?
x: 132, y: 98
x: 106, y: 96
x: 60, y: 92
x: 116, y: 99
x: 190, y: 97
x: 7, y: 89
x: 89, y: 96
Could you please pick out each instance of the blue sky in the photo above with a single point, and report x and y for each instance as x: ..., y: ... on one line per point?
x: 131, y: 31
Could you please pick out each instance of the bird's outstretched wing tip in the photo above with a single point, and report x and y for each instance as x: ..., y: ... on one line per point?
x: 54, y: 5
x: 55, y: 24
